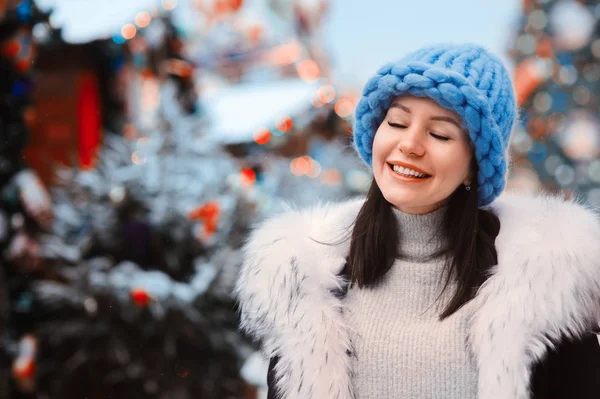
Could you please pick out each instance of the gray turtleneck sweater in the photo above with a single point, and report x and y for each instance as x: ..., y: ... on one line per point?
x: 401, y: 348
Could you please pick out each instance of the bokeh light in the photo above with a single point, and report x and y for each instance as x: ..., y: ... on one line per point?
x: 285, y: 124
x: 308, y: 70
x: 326, y: 94
x: 138, y: 159
x: 344, y: 107
x: 142, y: 19
x: 262, y: 136
x: 248, y: 177
x: 331, y: 177
x: 168, y: 4
x: 128, y: 31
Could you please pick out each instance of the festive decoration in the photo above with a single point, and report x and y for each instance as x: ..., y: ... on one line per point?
x: 17, y: 52
x: 124, y: 268
x: 140, y: 297
x: 126, y: 281
x: 209, y: 215
x: 24, y: 365
x: 557, y: 78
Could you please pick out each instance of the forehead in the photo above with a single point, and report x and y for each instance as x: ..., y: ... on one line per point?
x: 414, y: 104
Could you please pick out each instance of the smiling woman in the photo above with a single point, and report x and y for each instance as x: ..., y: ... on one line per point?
x: 420, y: 155
x: 433, y: 286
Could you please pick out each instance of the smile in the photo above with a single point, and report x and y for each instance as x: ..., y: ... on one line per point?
x: 407, y: 174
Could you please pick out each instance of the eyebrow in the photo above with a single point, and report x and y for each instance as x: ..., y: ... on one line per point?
x: 434, y: 118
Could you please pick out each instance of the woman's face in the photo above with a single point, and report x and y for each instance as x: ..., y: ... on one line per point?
x: 420, y: 155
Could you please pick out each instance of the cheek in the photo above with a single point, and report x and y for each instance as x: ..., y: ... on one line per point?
x: 380, y: 149
x: 456, y: 163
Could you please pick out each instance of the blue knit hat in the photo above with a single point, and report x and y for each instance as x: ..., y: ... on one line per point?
x: 463, y: 78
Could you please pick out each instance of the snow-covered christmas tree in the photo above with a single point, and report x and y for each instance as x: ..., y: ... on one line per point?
x: 119, y: 276
x: 557, y: 77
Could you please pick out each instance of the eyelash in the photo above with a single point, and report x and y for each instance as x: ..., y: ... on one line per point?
x: 436, y: 136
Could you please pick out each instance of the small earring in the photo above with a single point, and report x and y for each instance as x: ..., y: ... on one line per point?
x: 468, y: 186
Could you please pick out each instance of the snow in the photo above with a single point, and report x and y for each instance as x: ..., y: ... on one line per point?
x: 86, y: 20
x: 235, y: 113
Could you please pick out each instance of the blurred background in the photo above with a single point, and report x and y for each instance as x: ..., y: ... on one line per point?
x: 140, y: 140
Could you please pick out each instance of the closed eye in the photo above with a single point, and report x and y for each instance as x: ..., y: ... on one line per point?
x: 437, y: 136
x: 397, y: 125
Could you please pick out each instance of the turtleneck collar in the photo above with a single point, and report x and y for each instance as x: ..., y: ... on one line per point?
x: 421, y: 236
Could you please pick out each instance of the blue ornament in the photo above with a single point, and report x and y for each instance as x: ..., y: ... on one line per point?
x: 560, y: 101
x: 139, y: 60
x: 118, y: 39
x: 537, y: 153
x: 24, y: 11
x: 19, y: 88
x: 565, y: 58
x: 116, y: 63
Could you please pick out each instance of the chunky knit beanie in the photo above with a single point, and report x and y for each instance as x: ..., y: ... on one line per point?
x: 463, y: 78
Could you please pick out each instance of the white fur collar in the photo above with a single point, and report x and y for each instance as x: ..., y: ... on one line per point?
x: 546, y: 287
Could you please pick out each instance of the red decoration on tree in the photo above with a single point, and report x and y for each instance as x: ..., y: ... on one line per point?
x: 209, y: 214
x: 140, y: 297
x: 248, y: 176
x: 227, y: 6
x: 24, y: 365
x: 11, y: 48
x: 207, y: 211
x: 285, y: 125
x: 236, y: 4
x: 20, y: 50
x: 24, y: 368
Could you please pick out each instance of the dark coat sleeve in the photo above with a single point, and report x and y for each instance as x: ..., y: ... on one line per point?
x: 271, y: 392
x: 572, y: 370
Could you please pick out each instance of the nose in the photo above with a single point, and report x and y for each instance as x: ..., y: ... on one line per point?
x: 410, y: 143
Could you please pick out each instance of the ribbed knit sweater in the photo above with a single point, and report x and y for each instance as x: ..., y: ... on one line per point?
x: 401, y: 348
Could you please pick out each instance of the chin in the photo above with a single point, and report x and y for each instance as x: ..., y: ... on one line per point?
x: 411, y: 203
x: 403, y: 201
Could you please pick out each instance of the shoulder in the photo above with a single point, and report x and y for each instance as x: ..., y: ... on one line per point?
x: 295, y: 254
x: 546, y: 222
x: 296, y: 231
x: 544, y: 290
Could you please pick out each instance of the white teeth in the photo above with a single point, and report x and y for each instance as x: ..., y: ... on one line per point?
x: 407, y: 172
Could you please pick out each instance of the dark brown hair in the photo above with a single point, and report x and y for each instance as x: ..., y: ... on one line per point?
x: 471, y: 233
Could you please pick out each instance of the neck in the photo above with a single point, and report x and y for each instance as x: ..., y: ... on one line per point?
x: 421, y: 235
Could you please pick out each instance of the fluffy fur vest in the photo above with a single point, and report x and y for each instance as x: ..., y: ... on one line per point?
x: 545, y: 288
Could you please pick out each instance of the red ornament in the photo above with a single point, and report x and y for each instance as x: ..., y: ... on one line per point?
x: 207, y: 211
x: 209, y: 214
x: 20, y: 50
x: 23, y: 368
x: 255, y: 33
x: 23, y: 65
x: 140, y: 297
x: 11, y: 49
x: 285, y: 125
x: 227, y: 6
x: 262, y: 136
x: 210, y: 226
x: 24, y: 365
x: 248, y: 177
x: 236, y: 4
